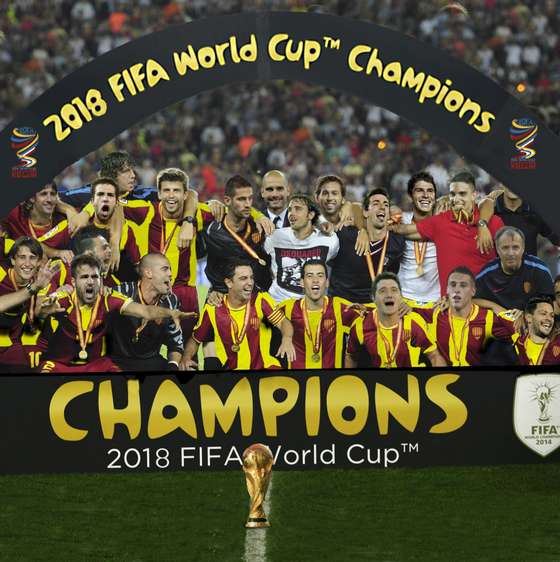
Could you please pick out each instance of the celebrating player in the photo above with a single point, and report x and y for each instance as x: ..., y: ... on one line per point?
x: 319, y: 321
x: 240, y: 325
x: 388, y: 338
x: 540, y: 346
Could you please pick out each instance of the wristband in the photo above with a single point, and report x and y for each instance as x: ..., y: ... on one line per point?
x: 31, y: 290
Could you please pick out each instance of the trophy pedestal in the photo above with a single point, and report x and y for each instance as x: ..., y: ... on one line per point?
x: 257, y: 523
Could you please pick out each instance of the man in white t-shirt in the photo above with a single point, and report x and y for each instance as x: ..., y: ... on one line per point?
x: 418, y: 273
x: 291, y: 247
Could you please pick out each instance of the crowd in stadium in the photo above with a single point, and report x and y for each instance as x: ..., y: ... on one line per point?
x: 103, y: 282
x: 277, y: 176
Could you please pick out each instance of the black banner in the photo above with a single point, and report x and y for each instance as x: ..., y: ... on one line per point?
x: 362, y: 419
x: 411, y: 78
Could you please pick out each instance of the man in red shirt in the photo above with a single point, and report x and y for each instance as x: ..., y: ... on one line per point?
x: 455, y: 232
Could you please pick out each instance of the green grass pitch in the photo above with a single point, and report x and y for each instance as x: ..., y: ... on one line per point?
x: 440, y: 514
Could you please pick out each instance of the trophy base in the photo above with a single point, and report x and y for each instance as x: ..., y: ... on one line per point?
x: 257, y: 523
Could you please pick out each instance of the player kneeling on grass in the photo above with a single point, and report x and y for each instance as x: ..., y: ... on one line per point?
x: 388, y: 338
x: 240, y: 325
x: 76, y: 331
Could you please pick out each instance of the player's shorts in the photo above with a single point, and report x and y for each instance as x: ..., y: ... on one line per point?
x: 188, y: 302
x: 101, y: 365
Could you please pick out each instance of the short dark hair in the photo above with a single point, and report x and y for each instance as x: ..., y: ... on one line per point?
x: 371, y: 193
x: 236, y: 182
x: 172, y: 174
x: 26, y: 242
x: 322, y: 180
x: 84, y: 259
x: 465, y: 177
x: 420, y: 176
x: 83, y: 241
x: 511, y: 230
x: 533, y: 302
x: 463, y: 270
x: 314, y: 261
x: 103, y: 181
x: 232, y: 264
x: 115, y: 162
x: 310, y: 204
x: 382, y: 277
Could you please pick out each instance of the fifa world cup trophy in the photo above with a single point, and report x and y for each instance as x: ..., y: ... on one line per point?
x: 543, y: 399
x: 257, y: 465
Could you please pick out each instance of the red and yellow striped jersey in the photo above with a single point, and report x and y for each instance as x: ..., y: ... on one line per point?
x: 158, y: 234
x: 336, y: 318
x: 462, y: 341
x: 531, y: 353
x: 216, y: 324
x: 383, y: 344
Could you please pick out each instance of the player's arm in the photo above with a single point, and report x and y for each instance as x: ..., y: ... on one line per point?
x: 355, y: 342
x: 65, y: 209
x: 80, y: 220
x: 409, y: 231
x: 286, y: 348
x: 186, y: 232
x: 149, y: 312
x: 484, y: 241
x: 436, y: 358
x: 485, y: 303
x: 187, y: 361
x: 56, y: 253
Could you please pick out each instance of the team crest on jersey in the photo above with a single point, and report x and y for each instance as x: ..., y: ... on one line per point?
x: 407, y: 334
x: 477, y: 333
x: 527, y: 287
x: 556, y: 350
x: 255, y: 323
x: 256, y: 237
x: 328, y: 324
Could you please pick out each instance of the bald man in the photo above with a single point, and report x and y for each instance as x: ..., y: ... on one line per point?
x: 275, y: 192
x: 136, y: 344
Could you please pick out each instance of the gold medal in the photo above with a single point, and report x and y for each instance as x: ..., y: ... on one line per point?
x: 315, y: 358
x: 83, y: 354
x: 84, y: 338
x: 235, y: 348
x: 420, y: 271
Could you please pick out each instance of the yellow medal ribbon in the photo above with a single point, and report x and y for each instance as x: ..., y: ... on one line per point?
x: 315, y: 343
x: 31, y: 311
x: 163, y: 242
x: 83, y: 340
x: 458, y: 346
x: 236, y: 335
x: 372, y: 273
x: 386, y: 343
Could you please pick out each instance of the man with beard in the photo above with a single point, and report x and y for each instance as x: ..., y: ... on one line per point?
x: 389, y: 339
x: 540, y: 346
x: 464, y: 330
x: 104, y: 201
x: 275, y: 191
x: 236, y: 236
x: 418, y: 271
x: 353, y: 273
x: 19, y: 345
x: 75, y: 334
x: 290, y: 248
x: 158, y: 231
x: 241, y: 325
x: 136, y: 344
x: 39, y: 214
x: 330, y: 192
x: 455, y: 232
x: 510, y: 280
x: 319, y: 321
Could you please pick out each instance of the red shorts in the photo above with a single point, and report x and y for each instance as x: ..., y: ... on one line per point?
x: 19, y: 357
x: 101, y: 365
x: 188, y: 302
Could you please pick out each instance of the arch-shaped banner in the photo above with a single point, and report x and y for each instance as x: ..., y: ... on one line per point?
x: 444, y: 96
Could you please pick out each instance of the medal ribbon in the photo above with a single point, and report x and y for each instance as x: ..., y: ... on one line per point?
x: 316, y: 344
x: 84, y: 340
x: 420, y: 252
x: 386, y: 343
x: 144, y: 322
x: 31, y: 311
x: 242, y: 242
x: 372, y: 273
x: 466, y: 325
x: 236, y: 335
x: 163, y: 242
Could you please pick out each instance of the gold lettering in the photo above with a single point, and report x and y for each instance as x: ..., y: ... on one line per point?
x: 248, y: 52
x: 470, y: 106
x: 456, y: 412
x: 155, y: 73
x: 430, y: 89
x: 240, y: 399
x: 130, y: 415
x: 406, y: 412
x: 169, y: 394
x: 453, y: 101
x: 275, y: 40
x: 271, y: 408
x: 184, y: 61
x: 313, y: 405
x: 485, y: 119
x: 207, y: 57
x: 57, y: 409
x: 348, y: 391
x: 116, y: 86
x: 393, y: 72
x: 374, y: 62
x: 354, y: 54
x: 412, y: 80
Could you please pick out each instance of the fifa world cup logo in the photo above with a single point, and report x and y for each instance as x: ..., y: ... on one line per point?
x: 543, y: 394
x: 257, y: 465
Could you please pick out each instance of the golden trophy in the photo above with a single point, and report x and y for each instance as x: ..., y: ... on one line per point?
x: 257, y: 465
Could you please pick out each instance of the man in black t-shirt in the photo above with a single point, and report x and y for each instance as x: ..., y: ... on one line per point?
x: 353, y: 274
